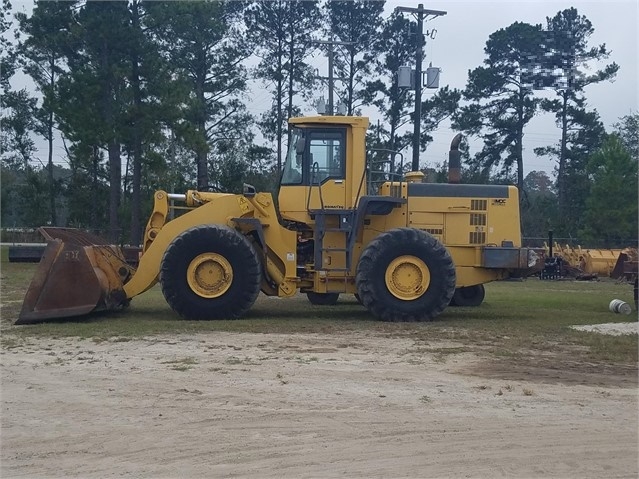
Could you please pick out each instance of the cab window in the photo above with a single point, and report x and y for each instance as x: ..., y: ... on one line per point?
x: 292, y: 172
x: 326, y: 155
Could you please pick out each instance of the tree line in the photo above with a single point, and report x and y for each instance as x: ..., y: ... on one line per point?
x: 144, y: 95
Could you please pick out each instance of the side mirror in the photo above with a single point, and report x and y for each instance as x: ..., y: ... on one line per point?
x: 248, y: 190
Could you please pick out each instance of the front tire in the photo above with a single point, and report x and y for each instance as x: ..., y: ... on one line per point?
x: 210, y: 272
x: 405, y: 274
x: 469, y: 296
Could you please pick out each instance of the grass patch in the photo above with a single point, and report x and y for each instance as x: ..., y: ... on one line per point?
x: 181, y: 364
x: 518, y: 321
x: 11, y: 342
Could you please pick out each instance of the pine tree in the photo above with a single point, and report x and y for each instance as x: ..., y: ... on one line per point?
x: 501, y: 99
x: 7, y: 50
x: 610, y: 214
x: 93, y: 97
x: 203, y: 43
x: 438, y: 108
x: 281, y: 34
x: 152, y: 106
x: 18, y: 124
x: 628, y: 130
x: 566, y: 37
x: 538, y: 205
x: 42, y: 58
x: 586, y: 134
x: 357, y: 24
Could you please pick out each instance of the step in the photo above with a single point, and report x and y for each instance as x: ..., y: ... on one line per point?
x: 343, y: 230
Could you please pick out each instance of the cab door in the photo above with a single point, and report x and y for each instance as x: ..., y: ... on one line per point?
x: 314, y: 175
x: 326, y: 169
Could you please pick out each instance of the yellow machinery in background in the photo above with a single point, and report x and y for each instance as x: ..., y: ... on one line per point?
x: 590, y: 261
x: 347, y: 222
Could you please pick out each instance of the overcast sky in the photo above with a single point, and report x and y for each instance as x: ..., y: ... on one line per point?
x: 459, y: 43
x: 462, y: 35
x: 458, y: 47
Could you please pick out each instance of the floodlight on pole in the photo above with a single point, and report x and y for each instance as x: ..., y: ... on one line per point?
x: 421, y: 13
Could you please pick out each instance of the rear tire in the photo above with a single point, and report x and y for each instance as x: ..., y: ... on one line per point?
x: 405, y: 274
x: 210, y: 272
x: 469, y: 296
x: 322, y: 299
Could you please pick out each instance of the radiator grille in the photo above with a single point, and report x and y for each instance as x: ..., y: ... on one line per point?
x: 477, y: 219
x: 435, y: 231
x: 478, y: 205
x: 477, y: 237
x: 396, y: 191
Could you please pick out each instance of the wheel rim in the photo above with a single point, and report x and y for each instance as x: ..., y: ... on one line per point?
x: 407, y: 277
x: 209, y: 275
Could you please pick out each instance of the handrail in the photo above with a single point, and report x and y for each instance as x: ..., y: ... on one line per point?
x: 359, y: 189
x: 393, y: 175
x: 314, y: 171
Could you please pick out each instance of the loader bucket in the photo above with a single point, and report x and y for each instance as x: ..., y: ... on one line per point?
x: 79, y: 273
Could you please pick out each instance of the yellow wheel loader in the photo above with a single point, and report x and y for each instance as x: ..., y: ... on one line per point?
x: 346, y: 222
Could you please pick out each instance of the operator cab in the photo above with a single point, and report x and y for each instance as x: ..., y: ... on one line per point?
x: 323, y: 167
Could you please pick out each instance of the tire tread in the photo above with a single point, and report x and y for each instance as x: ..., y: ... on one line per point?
x: 203, y: 238
x: 378, y: 300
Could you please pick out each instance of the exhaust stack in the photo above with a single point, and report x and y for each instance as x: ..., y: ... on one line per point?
x: 454, y: 160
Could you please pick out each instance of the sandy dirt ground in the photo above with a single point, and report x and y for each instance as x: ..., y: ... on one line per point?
x: 298, y: 406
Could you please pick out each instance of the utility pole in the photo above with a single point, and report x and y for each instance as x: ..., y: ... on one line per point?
x: 421, y: 13
x: 330, y: 108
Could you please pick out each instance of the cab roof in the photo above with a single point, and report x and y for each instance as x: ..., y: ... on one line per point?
x: 356, y: 121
